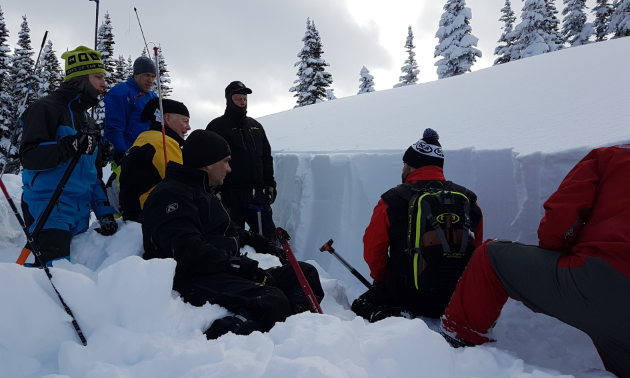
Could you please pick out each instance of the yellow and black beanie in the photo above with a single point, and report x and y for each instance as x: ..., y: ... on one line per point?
x: 82, y: 61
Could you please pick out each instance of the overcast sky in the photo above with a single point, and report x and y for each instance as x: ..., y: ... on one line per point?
x: 209, y: 43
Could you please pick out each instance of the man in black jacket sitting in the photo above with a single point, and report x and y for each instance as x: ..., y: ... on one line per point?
x: 251, y: 189
x: 183, y: 219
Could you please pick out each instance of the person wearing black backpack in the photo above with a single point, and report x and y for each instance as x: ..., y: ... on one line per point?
x: 420, y: 238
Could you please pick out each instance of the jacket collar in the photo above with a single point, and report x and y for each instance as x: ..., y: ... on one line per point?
x: 234, y: 114
x: 134, y: 85
x: 426, y: 173
x: 189, y: 176
x: 157, y: 126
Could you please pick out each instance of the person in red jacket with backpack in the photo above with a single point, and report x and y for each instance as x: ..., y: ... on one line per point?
x: 419, y: 280
x: 579, y: 273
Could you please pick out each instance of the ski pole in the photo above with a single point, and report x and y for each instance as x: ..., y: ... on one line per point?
x: 141, y: 31
x: 328, y: 247
x: 38, y: 255
x: 21, y: 108
x: 157, y: 75
x: 284, y: 238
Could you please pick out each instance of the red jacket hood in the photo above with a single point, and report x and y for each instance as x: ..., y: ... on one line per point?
x: 428, y: 173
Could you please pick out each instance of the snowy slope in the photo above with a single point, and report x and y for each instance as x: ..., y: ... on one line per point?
x: 525, y: 126
x: 554, y: 102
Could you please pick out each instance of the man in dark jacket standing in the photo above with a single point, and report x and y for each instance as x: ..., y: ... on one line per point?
x: 420, y: 279
x: 250, y: 189
x: 183, y: 219
x: 57, y: 129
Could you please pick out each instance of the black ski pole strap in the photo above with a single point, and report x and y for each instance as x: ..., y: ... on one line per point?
x: 436, y: 226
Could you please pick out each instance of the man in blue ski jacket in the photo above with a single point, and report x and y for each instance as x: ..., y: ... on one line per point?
x: 124, y: 104
x: 56, y: 129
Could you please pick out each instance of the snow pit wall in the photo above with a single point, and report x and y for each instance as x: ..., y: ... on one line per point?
x: 323, y: 195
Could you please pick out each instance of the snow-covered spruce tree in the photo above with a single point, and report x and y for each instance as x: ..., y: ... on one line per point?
x: 105, y: 45
x: 20, y: 76
x: 50, y: 75
x: 22, y: 67
x: 530, y: 38
x: 6, y: 99
x: 575, y: 30
x: 121, y: 68
x: 129, y: 68
x: 602, y: 11
x: 620, y: 19
x: 456, y: 43
x: 367, y: 81
x: 312, y: 80
x: 165, y: 79
x: 506, y: 42
x: 330, y: 94
x: 410, y: 69
x: 551, y: 27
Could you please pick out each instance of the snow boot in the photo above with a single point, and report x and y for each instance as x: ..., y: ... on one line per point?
x: 236, y: 324
x: 454, y: 341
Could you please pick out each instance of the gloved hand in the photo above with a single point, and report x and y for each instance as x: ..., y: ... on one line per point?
x: 242, y: 266
x: 107, y: 151
x: 265, y: 245
x: 79, y: 144
x: 118, y: 156
x: 270, y: 193
x: 108, y: 225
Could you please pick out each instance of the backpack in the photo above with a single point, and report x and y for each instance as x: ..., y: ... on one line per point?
x: 439, y: 242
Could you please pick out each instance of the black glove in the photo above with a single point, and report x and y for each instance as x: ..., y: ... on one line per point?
x: 264, y: 245
x: 270, y: 193
x: 108, y: 225
x: 118, y: 157
x: 107, y: 151
x: 243, y: 267
x: 79, y: 144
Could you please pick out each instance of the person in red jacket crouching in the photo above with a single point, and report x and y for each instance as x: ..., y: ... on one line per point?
x: 420, y: 238
x: 579, y: 273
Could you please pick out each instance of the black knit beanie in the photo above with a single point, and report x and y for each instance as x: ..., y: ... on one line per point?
x: 203, y: 148
x: 428, y: 151
x: 170, y: 106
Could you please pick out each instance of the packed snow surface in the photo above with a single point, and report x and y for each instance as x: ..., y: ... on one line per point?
x: 510, y: 133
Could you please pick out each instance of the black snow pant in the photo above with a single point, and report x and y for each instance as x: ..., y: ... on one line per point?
x: 238, y: 200
x: 53, y: 243
x: 257, y: 307
x: 594, y: 297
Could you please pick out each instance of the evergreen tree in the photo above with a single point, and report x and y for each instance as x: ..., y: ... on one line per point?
x: 410, y: 69
x: 456, y: 43
x: 575, y: 30
x: 6, y: 99
x: 129, y: 68
x: 505, y: 51
x: 551, y: 27
x: 121, y: 68
x: 105, y: 45
x: 21, y: 70
x: 367, y: 81
x: 603, y: 10
x: 620, y: 19
x: 330, y: 94
x: 312, y: 80
x: 50, y: 75
x: 165, y: 79
x: 22, y: 65
x: 530, y: 38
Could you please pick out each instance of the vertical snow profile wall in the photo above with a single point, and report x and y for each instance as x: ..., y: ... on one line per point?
x: 332, y: 195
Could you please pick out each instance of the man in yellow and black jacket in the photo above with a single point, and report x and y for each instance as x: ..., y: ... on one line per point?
x: 143, y: 166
